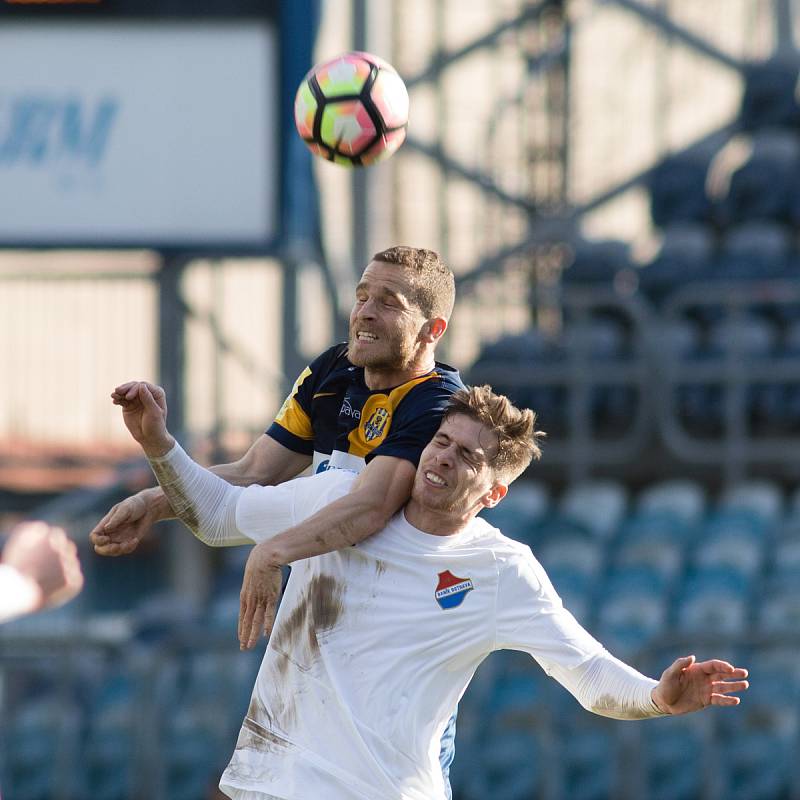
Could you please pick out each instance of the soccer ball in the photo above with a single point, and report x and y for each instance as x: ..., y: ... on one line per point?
x: 352, y: 110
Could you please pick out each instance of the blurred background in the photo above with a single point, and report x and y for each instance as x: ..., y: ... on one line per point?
x: 615, y: 184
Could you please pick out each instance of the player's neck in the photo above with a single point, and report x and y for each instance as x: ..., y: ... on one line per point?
x: 388, y: 378
x: 437, y: 523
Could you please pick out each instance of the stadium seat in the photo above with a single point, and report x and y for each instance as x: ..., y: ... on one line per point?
x: 769, y: 95
x: 669, y: 761
x: 602, y: 339
x: 596, y: 262
x: 677, y: 189
x: 41, y: 752
x: 761, y: 188
x: 632, y: 610
x: 586, y: 762
x: 521, y: 511
x: 678, y: 340
x: 762, y: 498
x: 732, y: 539
x: 756, y: 766
x: 683, y: 498
x: 654, y: 540
x: 564, y: 546
x: 510, y: 768
x: 712, y: 601
x: 748, y: 336
x: 576, y: 590
x: 754, y: 251
x: 687, y: 254
x: 599, y: 505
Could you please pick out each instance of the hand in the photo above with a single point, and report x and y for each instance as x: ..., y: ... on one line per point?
x: 144, y: 411
x: 688, y: 686
x: 261, y: 588
x: 125, y: 525
x: 45, y: 555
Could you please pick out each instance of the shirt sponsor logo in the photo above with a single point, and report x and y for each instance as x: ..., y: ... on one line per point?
x: 451, y: 590
x: 348, y: 410
x: 376, y: 424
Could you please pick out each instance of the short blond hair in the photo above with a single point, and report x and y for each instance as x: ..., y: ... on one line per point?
x: 515, y: 428
x: 433, y: 281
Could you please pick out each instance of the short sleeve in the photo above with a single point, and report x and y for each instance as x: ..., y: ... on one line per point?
x: 292, y: 425
x: 265, y: 511
x: 417, y: 419
x: 532, y: 618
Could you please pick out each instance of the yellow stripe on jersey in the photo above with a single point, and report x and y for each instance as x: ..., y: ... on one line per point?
x: 376, y: 418
x: 292, y: 416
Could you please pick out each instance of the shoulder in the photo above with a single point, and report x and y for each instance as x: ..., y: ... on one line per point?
x: 331, y: 360
x: 431, y: 392
x: 516, y: 560
x: 448, y: 376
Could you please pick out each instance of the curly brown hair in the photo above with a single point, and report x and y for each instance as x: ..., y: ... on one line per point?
x: 518, y: 440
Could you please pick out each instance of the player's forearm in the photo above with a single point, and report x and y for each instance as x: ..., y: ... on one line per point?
x: 343, y: 523
x: 234, y: 473
x: 19, y: 594
x: 204, y: 502
x: 606, y: 686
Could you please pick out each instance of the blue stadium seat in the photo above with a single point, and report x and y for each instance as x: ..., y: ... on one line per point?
x: 655, y: 540
x: 596, y: 262
x: 748, y: 336
x: 732, y: 539
x: 761, y: 188
x: 520, y: 512
x: 762, y: 498
x: 756, y: 766
x: 510, y: 768
x: 779, y: 607
x: 669, y: 762
x: 687, y: 254
x: 599, y: 505
x: 754, y: 251
x: 682, y: 498
x: 769, y: 95
x: 562, y: 546
x: 42, y: 735
x: 677, y: 189
x: 632, y: 610
x: 602, y: 339
x: 712, y: 601
x: 576, y: 590
x: 586, y: 762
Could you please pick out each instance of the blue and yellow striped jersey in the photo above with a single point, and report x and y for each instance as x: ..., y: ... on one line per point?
x: 332, y: 414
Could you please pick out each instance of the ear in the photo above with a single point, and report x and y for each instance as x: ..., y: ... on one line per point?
x: 433, y: 329
x: 494, y: 495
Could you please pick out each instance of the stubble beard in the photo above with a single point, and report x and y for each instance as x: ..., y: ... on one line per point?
x: 397, y: 355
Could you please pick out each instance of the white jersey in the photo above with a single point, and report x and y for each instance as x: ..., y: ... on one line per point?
x: 374, y: 645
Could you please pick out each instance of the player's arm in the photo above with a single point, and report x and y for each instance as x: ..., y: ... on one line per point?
x: 380, y: 491
x: 606, y: 686
x: 39, y: 568
x: 532, y: 618
x: 267, y: 462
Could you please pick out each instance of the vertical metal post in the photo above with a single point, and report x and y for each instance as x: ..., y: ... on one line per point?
x: 189, y: 562
x: 360, y: 181
x: 171, y: 347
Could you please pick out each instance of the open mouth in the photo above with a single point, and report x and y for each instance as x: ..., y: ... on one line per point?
x: 366, y: 337
x: 434, y: 479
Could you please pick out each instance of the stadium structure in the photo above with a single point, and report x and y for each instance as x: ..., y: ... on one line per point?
x: 614, y: 183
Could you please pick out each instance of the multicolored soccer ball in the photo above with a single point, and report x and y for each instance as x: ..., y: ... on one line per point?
x: 352, y: 110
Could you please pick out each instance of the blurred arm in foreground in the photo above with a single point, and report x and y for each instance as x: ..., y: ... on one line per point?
x: 39, y: 569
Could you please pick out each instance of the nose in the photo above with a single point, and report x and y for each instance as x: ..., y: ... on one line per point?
x: 445, y: 456
x: 366, y: 310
